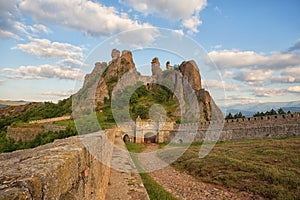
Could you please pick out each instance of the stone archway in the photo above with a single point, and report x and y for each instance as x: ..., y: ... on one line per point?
x: 150, y: 137
x: 126, y: 138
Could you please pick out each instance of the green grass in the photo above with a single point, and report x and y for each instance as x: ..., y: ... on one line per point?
x: 154, y: 190
x: 270, y: 168
x: 135, y: 148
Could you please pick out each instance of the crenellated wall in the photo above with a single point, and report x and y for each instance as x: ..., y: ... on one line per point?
x: 65, y: 169
x: 273, y: 126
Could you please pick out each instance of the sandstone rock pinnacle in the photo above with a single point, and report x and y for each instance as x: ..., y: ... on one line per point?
x: 168, y: 65
x: 155, y: 67
x: 115, y: 54
x: 190, y: 71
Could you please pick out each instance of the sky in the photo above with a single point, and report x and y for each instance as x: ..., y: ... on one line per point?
x: 254, y: 44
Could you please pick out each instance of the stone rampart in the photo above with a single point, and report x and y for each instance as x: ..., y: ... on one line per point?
x: 49, y: 120
x: 24, y: 133
x: 273, y: 126
x: 64, y: 169
x: 27, y: 133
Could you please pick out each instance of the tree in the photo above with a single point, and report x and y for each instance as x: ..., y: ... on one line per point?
x: 229, y: 116
x: 141, y: 111
x: 239, y: 115
x: 281, y: 111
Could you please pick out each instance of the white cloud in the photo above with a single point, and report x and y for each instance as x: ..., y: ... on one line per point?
x: 2, y: 81
x: 42, y: 72
x: 239, y: 99
x: 59, y: 93
x: 73, y: 62
x: 292, y: 71
x: 216, y: 84
x: 192, y: 24
x: 243, y: 59
x: 267, y: 92
x: 294, y: 89
x: 218, y: 46
x: 253, y: 76
x: 48, y: 49
x: 188, y: 13
x: 83, y: 15
x: 11, y: 23
x: 288, y: 75
x: 283, y: 79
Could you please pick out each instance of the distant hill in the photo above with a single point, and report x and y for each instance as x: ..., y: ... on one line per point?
x: 249, y: 109
x: 4, y: 103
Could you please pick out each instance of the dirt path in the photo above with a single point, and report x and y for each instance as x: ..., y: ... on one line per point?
x: 124, y: 184
x: 184, y: 186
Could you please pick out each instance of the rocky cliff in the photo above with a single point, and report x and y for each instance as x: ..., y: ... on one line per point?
x: 183, y: 81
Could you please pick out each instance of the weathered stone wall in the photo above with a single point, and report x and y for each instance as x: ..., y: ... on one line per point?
x: 23, y: 133
x: 49, y: 120
x: 65, y: 169
x: 274, y: 126
x: 27, y: 133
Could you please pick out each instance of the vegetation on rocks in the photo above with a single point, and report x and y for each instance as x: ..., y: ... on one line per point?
x: 44, y: 111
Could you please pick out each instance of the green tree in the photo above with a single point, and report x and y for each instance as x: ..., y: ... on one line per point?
x: 141, y: 111
x: 239, y: 115
x: 281, y: 111
x: 229, y: 116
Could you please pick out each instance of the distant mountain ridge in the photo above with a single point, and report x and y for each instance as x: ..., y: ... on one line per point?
x: 249, y: 109
x: 4, y: 103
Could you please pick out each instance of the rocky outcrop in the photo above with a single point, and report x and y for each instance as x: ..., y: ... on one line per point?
x: 184, y: 81
x: 190, y: 71
x: 168, y: 65
x: 155, y: 68
x: 115, y: 54
x: 114, y: 71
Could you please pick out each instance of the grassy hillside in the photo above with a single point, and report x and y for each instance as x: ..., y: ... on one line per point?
x: 41, y: 111
x: 140, y: 103
x: 270, y: 168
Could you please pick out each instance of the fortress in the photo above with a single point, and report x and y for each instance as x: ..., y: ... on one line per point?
x: 69, y: 169
x: 272, y: 126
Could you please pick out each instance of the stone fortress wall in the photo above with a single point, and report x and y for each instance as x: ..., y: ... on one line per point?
x: 273, y: 126
x: 49, y: 120
x: 65, y: 169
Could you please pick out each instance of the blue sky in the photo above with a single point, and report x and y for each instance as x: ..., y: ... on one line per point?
x: 254, y: 43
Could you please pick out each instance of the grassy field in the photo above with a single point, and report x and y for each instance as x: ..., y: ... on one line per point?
x: 154, y: 190
x: 270, y: 168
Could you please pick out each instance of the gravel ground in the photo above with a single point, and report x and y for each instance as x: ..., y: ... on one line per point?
x: 184, y: 186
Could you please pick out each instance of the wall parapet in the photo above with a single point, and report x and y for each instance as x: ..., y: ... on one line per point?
x: 49, y: 120
x: 64, y: 169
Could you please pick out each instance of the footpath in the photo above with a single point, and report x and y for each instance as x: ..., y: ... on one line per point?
x: 184, y: 186
x: 125, y: 183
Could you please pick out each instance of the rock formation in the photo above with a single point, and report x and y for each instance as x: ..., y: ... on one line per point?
x: 114, y: 71
x: 155, y: 67
x: 190, y: 71
x: 115, y: 54
x: 168, y: 65
x: 183, y: 81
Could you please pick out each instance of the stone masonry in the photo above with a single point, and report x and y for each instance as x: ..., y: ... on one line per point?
x: 65, y: 169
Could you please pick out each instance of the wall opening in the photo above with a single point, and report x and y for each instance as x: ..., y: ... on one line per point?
x: 150, y: 137
x: 126, y: 138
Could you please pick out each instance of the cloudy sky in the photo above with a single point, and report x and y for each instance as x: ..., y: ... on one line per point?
x: 254, y: 43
